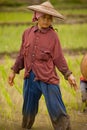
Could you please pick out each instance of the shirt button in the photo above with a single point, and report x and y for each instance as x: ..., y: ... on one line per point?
x: 33, y: 55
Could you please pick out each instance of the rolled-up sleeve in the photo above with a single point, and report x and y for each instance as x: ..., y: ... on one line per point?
x: 59, y: 59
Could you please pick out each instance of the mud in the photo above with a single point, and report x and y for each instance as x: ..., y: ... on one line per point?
x: 43, y: 123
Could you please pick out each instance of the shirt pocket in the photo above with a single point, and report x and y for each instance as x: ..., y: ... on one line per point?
x: 43, y: 54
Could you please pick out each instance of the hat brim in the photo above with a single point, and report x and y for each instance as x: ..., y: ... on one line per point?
x: 50, y: 11
x: 83, y: 66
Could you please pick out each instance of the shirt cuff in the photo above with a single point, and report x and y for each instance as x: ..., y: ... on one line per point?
x: 15, y: 70
x: 68, y: 73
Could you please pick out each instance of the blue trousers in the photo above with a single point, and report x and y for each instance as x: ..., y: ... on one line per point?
x: 32, y: 92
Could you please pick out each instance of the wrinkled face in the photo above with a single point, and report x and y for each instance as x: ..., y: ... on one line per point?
x: 45, y: 21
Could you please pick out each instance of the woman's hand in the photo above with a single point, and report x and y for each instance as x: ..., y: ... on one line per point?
x: 72, y: 81
x: 11, y: 78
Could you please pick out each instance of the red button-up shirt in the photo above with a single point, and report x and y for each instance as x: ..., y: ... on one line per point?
x: 41, y: 52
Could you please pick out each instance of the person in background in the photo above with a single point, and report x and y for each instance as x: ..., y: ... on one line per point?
x: 83, y: 87
x: 39, y: 54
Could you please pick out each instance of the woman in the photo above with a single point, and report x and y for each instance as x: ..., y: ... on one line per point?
x: 39, y: 54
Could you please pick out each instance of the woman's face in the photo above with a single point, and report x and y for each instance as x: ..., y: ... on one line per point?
x: 45, y: 21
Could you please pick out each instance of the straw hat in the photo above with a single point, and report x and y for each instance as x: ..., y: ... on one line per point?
x: 47, y: 8
x: 84, y: 66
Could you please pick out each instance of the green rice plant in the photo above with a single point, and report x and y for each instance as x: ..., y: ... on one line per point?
x: 73, y: 36
x: 15, y: 17
x: 9, y: 96
x: 3, y: 88
x: 4, y: 82
x: 75, y: 12
x: 16, y: 86
x: 6, y: 95
x: 10, y: 39
x: 71, y: 97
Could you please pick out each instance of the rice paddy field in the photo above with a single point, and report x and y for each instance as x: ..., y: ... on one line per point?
x: 25, y: 15
x: 11, y: 97
x: 73, y: 38
x: 10, y: 39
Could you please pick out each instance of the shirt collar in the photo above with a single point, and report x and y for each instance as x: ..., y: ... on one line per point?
x: 42, y: 30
